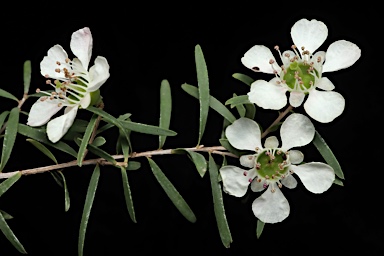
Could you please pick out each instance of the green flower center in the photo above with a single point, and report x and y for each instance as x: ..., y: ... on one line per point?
x: 300, y: 76
x: 272, y: 164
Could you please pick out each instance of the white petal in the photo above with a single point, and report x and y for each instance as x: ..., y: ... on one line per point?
x: 271, y: 207
x: 98, y: 74
x: 324, y: 106
x: 247, y: 161
x: 325, y: 84
x: 318, y: 65
x: 310, y: 34
x: 297, y: 130
x: 85, y: 101
x: 317, y: 177
x: 49, y: 65
x: 236, y: 180
x: 267, y: 95
x: 58, y: 127
x: 287, y: 60
x: 296, y: 156
x: 244, y: 133
x: 81, y: 45
x: 341, y: 54
x: 257, y: 186
x: 271, y: 142
x: 257, y: 58
x: 296, y: 98
x: 41, y: 112
x: 289, y: 182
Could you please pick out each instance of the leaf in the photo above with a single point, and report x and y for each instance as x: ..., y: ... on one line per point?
x: 203, y: 87
x: 165, y: 109
x: 213, y: 102
x: 27, y: 75
x: 9, y: 136
x: 10, y: 235
x: 250, y: 110
x: 101, y: 153
x: 7, y: 184
x: 85, y: 139
x: 98, y: 141
x: 133, y: 165
x: 338, y: 182
x: 6, y: 215
x: 39, y: 134
x: 238, y: 100
x: 327, y: 154
x: 197, y: 158
x: 124, y: 145
x: 240, y: 108
x: 147, y: 129
x: 171, y: 192
x: 87, y: 207
x: 218, y: 204
x: 2, y: 118
x: 243, y: 78
x: 127, y: 194
x: 6, y: 94
x: 66, y: 193
x: 225, y: 143
x: 259, y: 229
x: 43, y: 149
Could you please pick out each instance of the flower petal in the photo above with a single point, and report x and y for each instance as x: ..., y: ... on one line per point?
x: 325, y: 84
x: 41, y: 111
x: 236, y: 180
x: 49, y: 65
x: 244, y: 133
x: 267, y: 95
x: 324, y: 106
x: 289, y: 181
x: 247, y: 161
x: 296, y: 156
x: 98, y: 74
x: 271, y: 207
x: 317, y: 177
x: 57, y: 128
x: 81, y: 45
x: 341, y: 54
x: 296, y: 98
x: 310, y: 34
x: 257, y: 58
x: 297, y: 130
x: 271, y: 142
x: 257, y: 186
x: 85, y: 101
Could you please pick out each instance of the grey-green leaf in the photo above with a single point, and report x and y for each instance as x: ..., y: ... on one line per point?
x: 87, y: 208
x: 259, y: 228
x: 197, y: 158
x: 171, y: 192
x: 85, y: 139
x: 7, y: 231
x: 147, y: 129
x: 7, y: 184
x: 128, y: 194
x: 101, y: 153
x: 203, y: 86
x: 3, y: 116
x: 43, y: 149
x: 8, y: 95
x: 9, y: 136
x: 98, y: 141
x: 165, y: 109
x: 338, y: 182
x: 327, y: 154
x: 133, y: 165
x: 238, y: 100
x: 6, y: 215
x: 218, y: 204
x: 27, y: 75
x: 67, y: 201
x: 243, y: 78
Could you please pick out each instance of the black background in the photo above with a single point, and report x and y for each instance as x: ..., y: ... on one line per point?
x: 144, y: 47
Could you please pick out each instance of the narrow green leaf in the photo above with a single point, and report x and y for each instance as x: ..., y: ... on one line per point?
x: 43, y: 149
x: 98, y: 141
x: 85, y: 139
x: 203, y: 86
x: 238, y: 100
x: 250, y: 110
x: 259, y: 228
x: 39, y: 134
x: 8, y: 95
x: 109, y: 125
x: 240, y: 108
x: 125, y: 145
x: 6, y: 184
x: 133, y: 165
x: 171, y: 192
x: 127, y: 194
x: 67, y: 201
x: 6, y: 215
x: 27, y: 75
x: 338, y: 182
x: 218, y: 204
x: 147, y: 129
x: 213, y: 102
x: 165, y: 109
x: 9, y: 136
x: 327, y: 154
x: 87, y: 207
x: 7, y: 231
x: 101, y: 153
x: 243, y: 78
x: 197, y: 158
x: 3, y: 116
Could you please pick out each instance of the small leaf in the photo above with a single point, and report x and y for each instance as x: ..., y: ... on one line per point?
x: 197, y: 158
x: 43, y: 149
x: 87, y: 207
x: 243, y: 78
x: 203, y: 87
x: 213, y: 102
x: 259, y: 229
x: 133, y: 165
x: 124, y: 145
x: 3, y: 116
x: 9, y: 136
x: 218, y: 204
x: 98, y: 141
x: 10, y: 235
x: 66, y: 193
x: 127, y: 194
x: 101, y: 153
x: 6, y: 94
x: 85, y: 139
x: 327, y: 154
x: 338, y: 182
x: 238, y: 100
x: 27, y: 75
x: 147, y: 129
x: 165, y: 109
x: 240, y: 108
x: 7, y: 184
x: 171, y: 192
x: 250, y: 110
x: 6, y: 215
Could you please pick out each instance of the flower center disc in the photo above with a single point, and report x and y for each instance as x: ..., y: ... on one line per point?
x: 300, y: 76
x: 272, y: 164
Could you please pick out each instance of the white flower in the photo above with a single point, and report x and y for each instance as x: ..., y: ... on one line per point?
x: 272, y: 166
x: 302, y: 72
x: 73, y: 84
